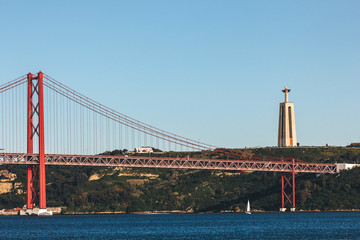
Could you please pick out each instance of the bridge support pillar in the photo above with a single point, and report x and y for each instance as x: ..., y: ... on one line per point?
x: 42, y: 181
x: 288, y: 189
x: 30, y: 195
x: 34, y: 129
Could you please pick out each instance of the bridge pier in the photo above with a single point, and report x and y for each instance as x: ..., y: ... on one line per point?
x: 35, y: 212
x: 288, y: 189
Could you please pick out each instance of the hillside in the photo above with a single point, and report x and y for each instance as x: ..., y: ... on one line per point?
x: 88, y: 189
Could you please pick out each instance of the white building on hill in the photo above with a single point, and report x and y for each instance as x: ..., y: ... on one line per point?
x: 144, y: 150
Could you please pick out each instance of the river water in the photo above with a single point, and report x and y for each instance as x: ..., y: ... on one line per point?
x: 327, y: 225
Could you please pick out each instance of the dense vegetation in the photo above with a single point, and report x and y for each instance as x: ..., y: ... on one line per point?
x: 136, y: 190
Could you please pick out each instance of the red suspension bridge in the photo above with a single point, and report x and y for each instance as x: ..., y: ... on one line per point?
x: 47, y: 123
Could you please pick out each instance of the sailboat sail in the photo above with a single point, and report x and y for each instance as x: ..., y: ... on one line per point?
x: 248, y: 211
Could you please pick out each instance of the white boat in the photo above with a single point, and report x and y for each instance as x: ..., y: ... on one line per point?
x: 248, y: 211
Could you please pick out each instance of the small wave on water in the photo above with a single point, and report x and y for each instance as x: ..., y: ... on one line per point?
x: 331, y: 225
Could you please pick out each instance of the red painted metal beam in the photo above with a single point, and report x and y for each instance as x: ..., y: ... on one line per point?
x: 282, y: 192
x: 163, y: 162
x: 288, y: 187
x: 30, y: 168
x: 293, y: 183
x: 42, y: 180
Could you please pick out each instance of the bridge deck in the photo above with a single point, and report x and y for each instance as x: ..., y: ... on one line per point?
x: 164, y: 162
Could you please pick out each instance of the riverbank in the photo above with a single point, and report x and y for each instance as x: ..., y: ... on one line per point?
x: 185, y: 212
x: 59, y: 211
x: 16, y: 211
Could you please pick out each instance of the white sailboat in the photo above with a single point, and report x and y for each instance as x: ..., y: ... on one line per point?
x: 248, y: 211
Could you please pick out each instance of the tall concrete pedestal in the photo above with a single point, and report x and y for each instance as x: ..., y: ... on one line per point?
x: 287, y: 131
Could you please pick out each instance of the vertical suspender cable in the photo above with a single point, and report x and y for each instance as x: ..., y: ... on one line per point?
x: 95, y: 132
x: 21, y: 118
x: 120, y: 136
x: 74, y: 127
x: 151, y: 141
x: 69, y: 126
x: 81, y: 130
x: 163, y: 143
x: 47, y: 121
x: 79, y: 118
x: 12, y: 119
x: 88, y: 132
x: 145, y: 138
x: 16, y: 118
x: 157, y: 142
x: 15, y: 110
x: 57, y: 123
x: 54, y: 138
x: 113, y: 131
x: 100, y: 132
x: 106, y: 134
x: 77, y: 128
x: 2, y: 121
x: 133, y: 138
x: 138, y: 139
x: 5, y: 121
x: 22, y: 137
x: 61, y: 132
x: 127, y: 143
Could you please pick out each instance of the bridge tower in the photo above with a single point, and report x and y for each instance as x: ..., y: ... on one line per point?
x: 287, y: 131
x: 35, y: 127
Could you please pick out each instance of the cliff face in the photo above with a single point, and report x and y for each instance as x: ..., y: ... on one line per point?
x: 8, y: 183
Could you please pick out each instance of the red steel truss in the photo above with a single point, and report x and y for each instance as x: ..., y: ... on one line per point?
x: 288, y: 188
x: 164, y: 162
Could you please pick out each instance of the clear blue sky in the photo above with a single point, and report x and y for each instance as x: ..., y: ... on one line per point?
x: 208, y: 70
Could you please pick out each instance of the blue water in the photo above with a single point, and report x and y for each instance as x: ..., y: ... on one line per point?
x: 344, y: 225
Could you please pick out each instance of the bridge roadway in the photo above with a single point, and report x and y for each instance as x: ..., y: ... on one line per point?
x: 167, y: 162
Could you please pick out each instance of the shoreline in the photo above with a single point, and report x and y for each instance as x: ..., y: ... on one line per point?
x: 184, y: 212
x: 16, y: 212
